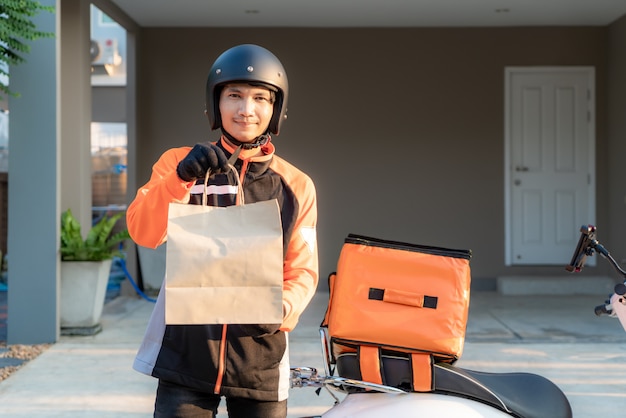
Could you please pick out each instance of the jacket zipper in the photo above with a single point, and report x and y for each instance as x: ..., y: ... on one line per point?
x: 221, y: 367
x: 242, y: 175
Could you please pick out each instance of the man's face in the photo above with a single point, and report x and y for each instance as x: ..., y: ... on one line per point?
x: 245, y: 111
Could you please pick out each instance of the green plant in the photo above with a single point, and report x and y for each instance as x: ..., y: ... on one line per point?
x: 16, y: 27
x: 101, y: 243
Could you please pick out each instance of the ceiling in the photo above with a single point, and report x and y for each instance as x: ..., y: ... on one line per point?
x: 371, y: 13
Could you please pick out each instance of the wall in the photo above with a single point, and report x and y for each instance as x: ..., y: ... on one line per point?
x: 401, y: 129
x: 108, y: 104
x: 617, y: 145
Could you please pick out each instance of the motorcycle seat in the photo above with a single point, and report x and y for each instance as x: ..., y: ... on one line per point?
x: 523, y: 395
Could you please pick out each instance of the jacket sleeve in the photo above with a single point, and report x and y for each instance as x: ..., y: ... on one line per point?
x: 146, y: 216
x: 300, y: 273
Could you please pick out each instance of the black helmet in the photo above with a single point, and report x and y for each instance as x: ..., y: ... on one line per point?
x: 248, y: 64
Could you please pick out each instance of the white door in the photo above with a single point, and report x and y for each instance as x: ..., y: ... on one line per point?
x: 549, y: 162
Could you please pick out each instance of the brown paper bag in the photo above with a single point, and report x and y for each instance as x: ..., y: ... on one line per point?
x: 224, y: 265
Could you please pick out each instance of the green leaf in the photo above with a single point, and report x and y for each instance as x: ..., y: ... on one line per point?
x: 100, y: 243
x: 16, y: 29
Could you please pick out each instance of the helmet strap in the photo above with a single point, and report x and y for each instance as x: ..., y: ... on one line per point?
x: 258, y: 142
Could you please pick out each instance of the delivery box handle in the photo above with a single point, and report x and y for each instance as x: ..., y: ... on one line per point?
x: 402, y: 297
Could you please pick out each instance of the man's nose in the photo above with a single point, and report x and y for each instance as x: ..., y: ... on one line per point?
x: 247, y: 106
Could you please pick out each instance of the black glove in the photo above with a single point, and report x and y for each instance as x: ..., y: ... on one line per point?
x: 259, y: 330
x: 201, y: 158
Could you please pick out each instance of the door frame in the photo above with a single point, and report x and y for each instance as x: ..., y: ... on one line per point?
x: 591, y: 106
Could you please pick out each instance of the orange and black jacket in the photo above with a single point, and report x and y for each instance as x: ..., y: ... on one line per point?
x: 230, y: 360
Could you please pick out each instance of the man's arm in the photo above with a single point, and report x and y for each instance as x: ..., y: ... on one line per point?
x: 146, y: 216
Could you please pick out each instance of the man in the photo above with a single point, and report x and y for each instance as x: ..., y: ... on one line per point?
x: 246, y: 98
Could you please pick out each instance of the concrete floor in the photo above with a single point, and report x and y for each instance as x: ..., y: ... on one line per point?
x: 558, y: 337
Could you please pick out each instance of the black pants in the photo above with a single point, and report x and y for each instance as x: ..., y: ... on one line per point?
x: 175, y: 401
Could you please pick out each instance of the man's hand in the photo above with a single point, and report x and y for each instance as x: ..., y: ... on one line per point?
x: 201, y: 158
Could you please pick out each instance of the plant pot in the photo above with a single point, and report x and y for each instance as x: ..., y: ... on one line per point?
x: 83, y: 291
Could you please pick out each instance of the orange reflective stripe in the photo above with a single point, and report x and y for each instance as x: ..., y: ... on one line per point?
x: 422, y: 367
x: 370, y: 364
x: 221, y: 362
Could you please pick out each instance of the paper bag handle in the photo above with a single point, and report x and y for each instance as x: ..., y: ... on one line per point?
x: 240, y: 198
x: 231, y: 162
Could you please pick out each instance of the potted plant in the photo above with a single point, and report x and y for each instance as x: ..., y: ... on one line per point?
x: 85, y: 267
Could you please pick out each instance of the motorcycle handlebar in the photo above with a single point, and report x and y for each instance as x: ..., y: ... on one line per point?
x: 603, y: 310
x: 583, y: 248
x: 586, y: 246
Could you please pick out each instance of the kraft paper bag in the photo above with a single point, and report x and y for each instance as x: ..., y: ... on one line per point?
x: 224, y: 265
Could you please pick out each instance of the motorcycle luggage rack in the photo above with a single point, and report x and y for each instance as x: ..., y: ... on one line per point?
x: 309, y: 377
x: 501, y: 390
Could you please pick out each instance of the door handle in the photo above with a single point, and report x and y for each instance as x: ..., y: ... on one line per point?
x: 521, y: 168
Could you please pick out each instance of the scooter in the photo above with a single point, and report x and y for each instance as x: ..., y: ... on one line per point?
x: 457, y: 392
x: 615, y: 305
